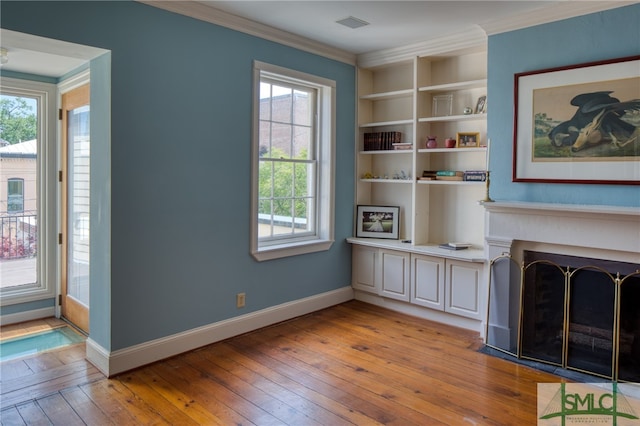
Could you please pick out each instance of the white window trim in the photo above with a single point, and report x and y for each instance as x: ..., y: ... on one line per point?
x: 46, y: 284
x: 326, y: 168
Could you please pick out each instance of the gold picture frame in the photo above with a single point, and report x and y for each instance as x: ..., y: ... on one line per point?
x: 467, y: 139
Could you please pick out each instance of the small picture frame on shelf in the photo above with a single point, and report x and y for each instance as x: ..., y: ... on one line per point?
x: 378, y: 222
x: 481, y: 105
x: 442, y: 105
x: 467, y: 140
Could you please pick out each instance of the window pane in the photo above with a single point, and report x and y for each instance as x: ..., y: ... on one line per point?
x: 283, y: 180
x: 282, y: 217
x: 302, y: 173
x: 302, y: 215
x: 302, y: 142
x: 265, y: 101
x: 281, y: 104
x: 78, y: 204
x: 265, y: 178
x: 15, y: 195
x: 265, y: 139
x: 301, y: 108
x: 281, y: 140
x: 19, y: 178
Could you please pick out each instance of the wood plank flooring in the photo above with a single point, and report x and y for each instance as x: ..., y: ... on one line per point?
x: 351, y: 364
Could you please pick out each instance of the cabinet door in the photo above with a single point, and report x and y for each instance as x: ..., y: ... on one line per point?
x: 394, y: 274
x: 364, y: 268
x: 463, y: 288
x: 427, y: 281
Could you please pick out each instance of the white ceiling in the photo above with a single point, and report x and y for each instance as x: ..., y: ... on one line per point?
x: 392, y: 23
x: 43, y: 56
x: 398, y: 23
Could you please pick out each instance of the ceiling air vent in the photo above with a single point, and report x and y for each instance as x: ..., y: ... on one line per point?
x: 352, y: 22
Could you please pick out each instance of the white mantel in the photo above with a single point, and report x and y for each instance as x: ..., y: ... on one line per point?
x: 610, y: 229
x: 599, y: 232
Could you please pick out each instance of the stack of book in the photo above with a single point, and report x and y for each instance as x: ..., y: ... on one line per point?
x: 455, y: 246
x: 428, y: 175
x: 402, y: 146
x: 449, y: 175
x: 381, y: 141
x: 475, y: 175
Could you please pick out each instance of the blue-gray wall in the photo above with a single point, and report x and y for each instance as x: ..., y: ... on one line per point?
x: 180, y: 165
x: 180, y: 156
x: 605, y: 35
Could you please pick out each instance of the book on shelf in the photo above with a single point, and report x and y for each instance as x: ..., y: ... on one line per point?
x: 381, y: 141
x: 458, y: 178
x: 475, y: 175
x: 449, y: 173
x: 455, y: 246
x: 402, y: 146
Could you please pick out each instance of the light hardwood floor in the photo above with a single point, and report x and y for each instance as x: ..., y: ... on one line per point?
x: 350, y: 364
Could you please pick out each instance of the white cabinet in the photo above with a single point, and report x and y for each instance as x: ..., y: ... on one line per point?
x: 443, y: 284
x: 427, y: 281
x: 364, y: 268
x: 462, y: 294
x: 394, y: 274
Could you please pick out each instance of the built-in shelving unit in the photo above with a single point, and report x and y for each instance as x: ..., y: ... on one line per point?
x: 401, y: 97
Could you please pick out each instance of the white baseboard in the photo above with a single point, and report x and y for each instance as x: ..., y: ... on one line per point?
x: 420, y: 312
x: 118, y: 361
x: 28, y: 315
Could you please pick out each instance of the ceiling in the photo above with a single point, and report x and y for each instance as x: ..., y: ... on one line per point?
x: 391, y: 23
x: 397, y: 23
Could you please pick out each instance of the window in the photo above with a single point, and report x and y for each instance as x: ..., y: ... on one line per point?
x: 292, y: 173
x: 15, y: 195
x: 28, y: 175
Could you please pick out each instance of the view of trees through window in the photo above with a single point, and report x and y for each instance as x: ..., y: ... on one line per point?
x: 18, y: 119
x: 286, y: 166
x: 18, y: 189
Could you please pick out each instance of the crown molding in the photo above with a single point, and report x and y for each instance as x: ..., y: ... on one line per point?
x: 209, y: 14
x: 476, y: 37
x: 551, y: 13
x: 473, y: 38
x: 469, y: 39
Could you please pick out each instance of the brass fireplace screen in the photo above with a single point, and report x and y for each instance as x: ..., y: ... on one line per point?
x: 582, y: 317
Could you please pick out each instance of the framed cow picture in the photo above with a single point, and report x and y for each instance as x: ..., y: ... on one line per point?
x: 578, y: 124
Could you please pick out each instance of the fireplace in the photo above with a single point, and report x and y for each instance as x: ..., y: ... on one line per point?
x: 570, y: 314
x: 565, y: 286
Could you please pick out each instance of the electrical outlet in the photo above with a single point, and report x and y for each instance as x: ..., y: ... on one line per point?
x: 240, y: 300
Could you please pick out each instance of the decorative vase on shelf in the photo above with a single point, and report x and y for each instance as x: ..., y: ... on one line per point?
x: 431, y: 142
x: 450, y: 143
x: 467, y: 111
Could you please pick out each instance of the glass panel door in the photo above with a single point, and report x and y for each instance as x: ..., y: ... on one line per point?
x: 76, y: 235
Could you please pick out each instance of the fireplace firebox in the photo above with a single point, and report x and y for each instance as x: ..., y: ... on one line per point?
x: 575, y: 312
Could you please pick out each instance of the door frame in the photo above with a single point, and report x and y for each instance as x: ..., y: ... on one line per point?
x: 71, y: 84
